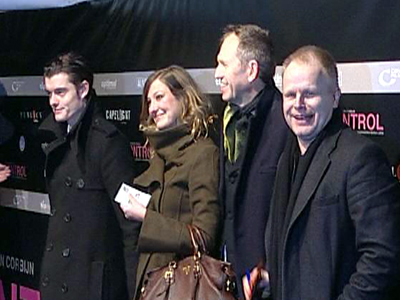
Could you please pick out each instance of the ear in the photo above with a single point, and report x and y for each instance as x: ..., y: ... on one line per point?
x: 83, y: 89
x: 336, y: 97
x: 253, y: 70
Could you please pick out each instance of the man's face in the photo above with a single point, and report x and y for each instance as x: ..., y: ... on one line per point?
x: 309, y: 97
x: 230, y: 72
x: 65, y: 100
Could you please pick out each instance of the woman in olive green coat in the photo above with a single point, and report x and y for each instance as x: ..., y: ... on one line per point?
x: 183, y: 174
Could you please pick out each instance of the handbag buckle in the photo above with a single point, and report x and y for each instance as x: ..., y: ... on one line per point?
x: 197, y: 269
x: 230, y: 286
x: 169, y: 275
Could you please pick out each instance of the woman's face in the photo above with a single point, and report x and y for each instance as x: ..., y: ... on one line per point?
x: 164, y: 108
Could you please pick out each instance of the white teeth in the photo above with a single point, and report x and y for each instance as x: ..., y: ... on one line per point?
x: 301, y: 117
x: 219, y: 82
x: 159, y: 113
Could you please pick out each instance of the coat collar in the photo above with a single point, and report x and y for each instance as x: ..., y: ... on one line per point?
x: 168, y: 146
x: 55, y: 133
x: 169, y: 143
x: 266, y: 98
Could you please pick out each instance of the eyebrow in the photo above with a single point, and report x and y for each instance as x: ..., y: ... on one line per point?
x: 221, y: 60
x: 58, y: 90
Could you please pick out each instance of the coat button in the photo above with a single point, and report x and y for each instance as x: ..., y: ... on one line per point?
x: 66, y: 252
x: 64, y: 288
x: 67, y: 218
x: 45, y: 281
x: 53, y: 212
x: 233, y: 176
x: 68, y: 181
x: 49, y: 247
x: 80, y: 183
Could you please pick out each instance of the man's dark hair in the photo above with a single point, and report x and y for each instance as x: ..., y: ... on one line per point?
x: 73, y: 64
x: 254, y: 43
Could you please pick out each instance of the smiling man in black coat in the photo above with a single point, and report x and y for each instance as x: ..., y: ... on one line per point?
x: 252, y: 141
x: 333, y: 231
x: 89, y: 252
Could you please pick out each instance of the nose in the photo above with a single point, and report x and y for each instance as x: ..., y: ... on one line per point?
x: 52, y: 99
x: 299, y: 101
x: 218, y: 72
x: 152, y: 107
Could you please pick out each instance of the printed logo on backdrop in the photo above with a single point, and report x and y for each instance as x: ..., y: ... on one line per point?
x: 21, y: 266
x: 19, y: 172
x: 367, y: 123
x: 109, y: 85
x: 17, y: 85
x: 16, y: 264
x: 141, y: 82
x: 33, y: 115
x: 42, y: 86
x: 389, y: 77
x: 120, y: 115
x: 140, y: 152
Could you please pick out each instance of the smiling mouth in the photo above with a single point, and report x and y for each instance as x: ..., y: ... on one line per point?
x: 302, y: 118
x: 57, y: 110
x: 158, y: 115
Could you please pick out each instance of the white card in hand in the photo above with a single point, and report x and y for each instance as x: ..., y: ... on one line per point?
x: 124, y: 191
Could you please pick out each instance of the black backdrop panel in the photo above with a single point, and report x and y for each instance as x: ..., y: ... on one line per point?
x: 125, y: 35
x: 23, y: 151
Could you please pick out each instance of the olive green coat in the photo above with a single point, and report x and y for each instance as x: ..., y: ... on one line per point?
x: 183, y: 180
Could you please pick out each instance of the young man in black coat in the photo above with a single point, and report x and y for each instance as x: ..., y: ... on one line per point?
x: 89, y: 252
x: 254, y: 134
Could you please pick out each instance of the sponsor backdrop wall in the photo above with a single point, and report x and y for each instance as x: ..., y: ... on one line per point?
x: 126, y: 41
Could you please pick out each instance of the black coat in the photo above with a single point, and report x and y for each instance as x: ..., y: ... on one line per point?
x: 87, y: 233
x: 343, y: 238
x: 245, y: 219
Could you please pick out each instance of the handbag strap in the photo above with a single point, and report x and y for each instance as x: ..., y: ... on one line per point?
x: 197, y: 239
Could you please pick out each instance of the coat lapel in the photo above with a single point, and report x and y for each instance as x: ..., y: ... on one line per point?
x: 257, y: 124
x: 315, y: 174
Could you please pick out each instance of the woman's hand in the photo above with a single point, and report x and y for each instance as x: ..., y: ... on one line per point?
x: 5, y: 172
x: 258, y: 278
x: 133, y: 210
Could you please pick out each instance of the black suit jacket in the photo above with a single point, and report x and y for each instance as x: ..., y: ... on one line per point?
x: 343, y: 239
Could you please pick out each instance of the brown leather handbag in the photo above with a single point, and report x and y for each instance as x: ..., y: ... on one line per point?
x: 196, y: 277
